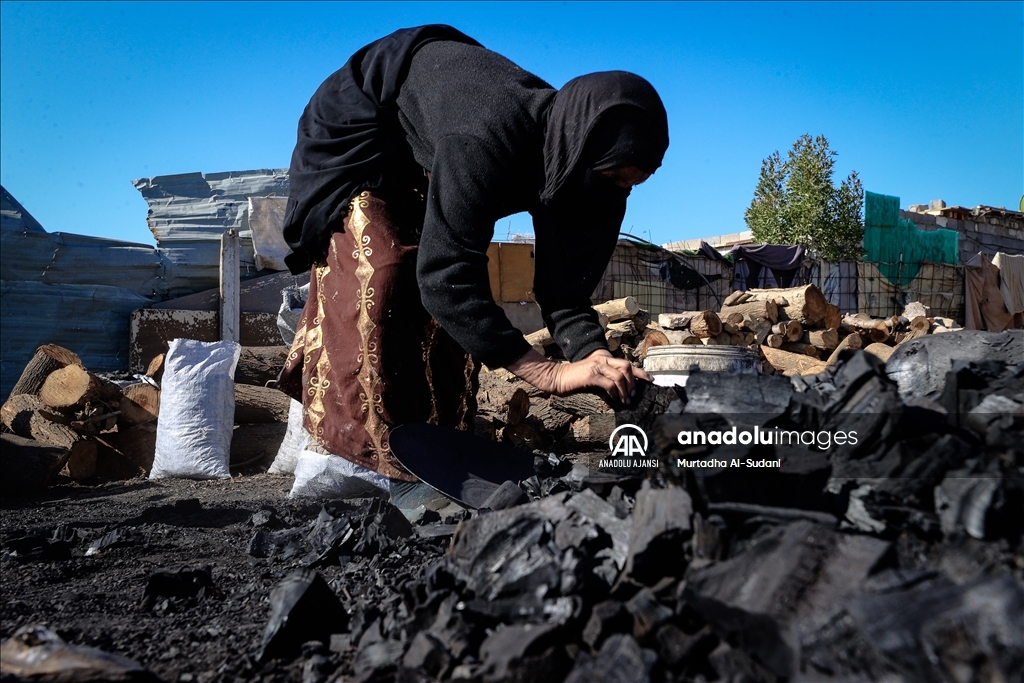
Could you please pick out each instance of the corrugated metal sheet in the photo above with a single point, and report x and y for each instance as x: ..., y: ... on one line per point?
x: 91, y: 320
x: 197, y: 206
x: 71, y: 290
x: 189, y: 212
x: 13, y: 215
x: 64, y: 258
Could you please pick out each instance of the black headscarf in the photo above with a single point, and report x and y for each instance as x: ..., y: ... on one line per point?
x: 349, y: 139
x: 600, y: 121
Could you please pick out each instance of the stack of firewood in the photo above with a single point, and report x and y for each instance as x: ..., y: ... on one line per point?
x: 78, y: 423
x: 61, y: 418
x: 794, y: 330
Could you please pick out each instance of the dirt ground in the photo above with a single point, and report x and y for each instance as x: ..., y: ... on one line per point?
x: 97, y: 600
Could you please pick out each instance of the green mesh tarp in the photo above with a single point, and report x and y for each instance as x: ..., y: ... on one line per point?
x: 897, y: 245
x: 881, y: 210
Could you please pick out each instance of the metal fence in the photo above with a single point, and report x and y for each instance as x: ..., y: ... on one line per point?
x: 664, y: 281
x: 884, y: 289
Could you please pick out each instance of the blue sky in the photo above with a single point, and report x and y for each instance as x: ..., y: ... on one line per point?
x: 925, y: 100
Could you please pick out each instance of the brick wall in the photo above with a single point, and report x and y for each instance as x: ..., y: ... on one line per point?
x: 986, y: 232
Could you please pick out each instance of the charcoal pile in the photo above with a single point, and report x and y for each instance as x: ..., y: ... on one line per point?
x: 893, y: 554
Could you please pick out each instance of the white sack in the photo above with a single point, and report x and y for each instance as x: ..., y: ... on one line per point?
x: 331, y: 476
x: 197, y: 410
x: 295, y: 440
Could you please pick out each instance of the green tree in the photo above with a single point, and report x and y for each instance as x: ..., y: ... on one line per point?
x: 795, y: 202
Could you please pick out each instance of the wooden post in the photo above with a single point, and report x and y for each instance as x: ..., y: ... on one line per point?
x: 229, y: 286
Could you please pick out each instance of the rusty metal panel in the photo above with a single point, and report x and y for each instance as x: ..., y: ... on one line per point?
x: 151, y: 330
x: 517, y: 267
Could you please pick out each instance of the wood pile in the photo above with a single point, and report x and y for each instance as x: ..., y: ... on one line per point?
x: 81, y: 418
x: 62, y: 419
x: 794, y: 330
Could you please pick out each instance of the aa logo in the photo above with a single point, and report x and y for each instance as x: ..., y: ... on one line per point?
x: 626, y: 441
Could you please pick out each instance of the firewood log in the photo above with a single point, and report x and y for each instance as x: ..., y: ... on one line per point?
x: 652, y: 337
x: 877, y: 330
x: 833, y: 316
x: 920, y: 324
x: 915, y: 309
x: 851, y: 341
x: 140, y: 404
x: 701, y: 323
x: 45, y: 360
x: 792, y: 363
x: 805, y: 304
x: 765, y: 310
x: 618, y: 309
x: 260, y: 405
x: 259, y: 365
x: 27, y: 416
x: 774, y: 341
x: 155, y: 369
x: 135, y: 445
x: 737, y: 297
x: 802, y: 348
x: 581, y: 405
x: 73, y: 385
x: 881, y: 351
x: 681, y: 337
x: 28, y: 465
x: 824, y: 340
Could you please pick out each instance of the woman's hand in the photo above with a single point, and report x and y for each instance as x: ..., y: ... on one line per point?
x: 599, y: 370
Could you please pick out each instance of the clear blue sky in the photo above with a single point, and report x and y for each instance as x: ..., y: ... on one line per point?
x: 925, y: 100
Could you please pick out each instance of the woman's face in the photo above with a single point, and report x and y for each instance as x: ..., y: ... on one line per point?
x: 625, y: 176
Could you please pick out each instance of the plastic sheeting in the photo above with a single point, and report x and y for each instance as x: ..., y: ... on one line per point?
x: 986, y: 309
x: 266, y: 220
x: 897, y: 245
x: 1011, y: 280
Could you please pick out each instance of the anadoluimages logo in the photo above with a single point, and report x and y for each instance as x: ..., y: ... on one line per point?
x: 628, y: 443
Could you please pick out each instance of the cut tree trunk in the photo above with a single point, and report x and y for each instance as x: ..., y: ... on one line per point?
x: 737, y: 297
x: 763, y: 310
x: 652, y: 338
x: 805, y: 304
x: 135, y: 445
x: 774, y: 341
x: 254, y: 404
x: 74, y: 385
x: 155, y: 369
x: 618, y: 309
x: 254, y: 443
x: 802, y: 348
x: 701, y: 323
x: 140, y: 404
x: 46, y: 359
x: 260, y: 365
x: 920, y: 324
x: 28, y: 465
x: 850, y: 342
x: 792, y: 363
x: 825, y: 340
x: 833, y: 316
x: 881, y: 351
x: 26, y: 416
x: 681, y: 337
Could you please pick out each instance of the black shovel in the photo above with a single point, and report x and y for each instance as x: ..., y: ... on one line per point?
x: 461, y: 465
